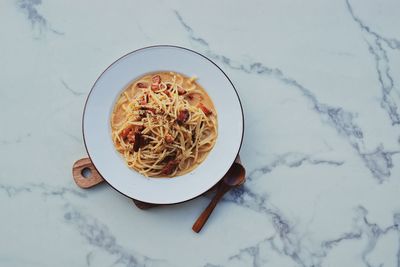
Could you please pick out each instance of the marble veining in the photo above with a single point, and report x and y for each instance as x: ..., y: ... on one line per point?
x: 73, y: 92
x: 375, y: 44
x: 37, y: 20
x: 319, y: 88
x: 99, y: 235
x: 16, y: 140
x: 338, y: 118
x: 41, y: 188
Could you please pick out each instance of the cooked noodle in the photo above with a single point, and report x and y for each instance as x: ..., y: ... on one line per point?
x: 164, y: 125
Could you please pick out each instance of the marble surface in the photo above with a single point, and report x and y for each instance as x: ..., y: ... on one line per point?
x: 320, y: 85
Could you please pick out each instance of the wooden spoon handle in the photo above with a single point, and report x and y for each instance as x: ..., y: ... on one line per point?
x: 201, y: 221
x: 86, y: 182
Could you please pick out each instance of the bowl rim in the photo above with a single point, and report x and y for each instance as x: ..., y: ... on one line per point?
x: 135, y: 51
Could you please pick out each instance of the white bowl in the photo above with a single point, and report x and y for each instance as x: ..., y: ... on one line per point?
x: 97, y: 129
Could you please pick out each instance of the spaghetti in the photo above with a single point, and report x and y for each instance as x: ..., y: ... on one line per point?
x: 164, y: 124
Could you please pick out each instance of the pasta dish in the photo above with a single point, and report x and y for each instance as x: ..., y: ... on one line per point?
x: 164, y: 124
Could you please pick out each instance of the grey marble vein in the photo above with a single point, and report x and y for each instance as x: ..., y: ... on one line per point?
x: 341, y: 120
x: 72, y: 91
x: 302, y: 256
x: 37, y: 20
x: 363, y: 227
x: 291, y: 160
x: 373, y: 231
x: 245, y: 197
x: 72, y: 136
x: 388, y: 101
x: 41, y: 188
x: 293, y: 249
x: 328, y: 244
x: 61, y: 191
x: 378, y: 161
x: 14, y: 190
x: 89, y: 257
x: 17, y: 140
x: 396, y: 219
x: 212, y: 265
x: 190, y: 30
x: 375, y: 43
x: 267, y: 243
x: 253, y: 252
x: 391, y: 42
x: 292, y: 245
x: 98, y: 235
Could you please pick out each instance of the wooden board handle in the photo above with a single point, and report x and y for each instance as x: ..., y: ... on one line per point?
x: 93, y: 178
x: 143, y: 205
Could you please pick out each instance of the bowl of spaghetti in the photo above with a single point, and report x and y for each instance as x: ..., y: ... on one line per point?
x: 162, y: 124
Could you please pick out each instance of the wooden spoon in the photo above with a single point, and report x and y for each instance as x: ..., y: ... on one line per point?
x: 234, y: 177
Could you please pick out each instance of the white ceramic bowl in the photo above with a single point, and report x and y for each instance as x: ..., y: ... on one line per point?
x: 97, y: 129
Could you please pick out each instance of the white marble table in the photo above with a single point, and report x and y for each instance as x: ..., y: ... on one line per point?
x: 320, y: 85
